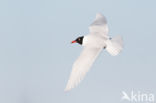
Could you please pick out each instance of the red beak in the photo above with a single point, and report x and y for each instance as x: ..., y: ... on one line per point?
x: 74, y: 41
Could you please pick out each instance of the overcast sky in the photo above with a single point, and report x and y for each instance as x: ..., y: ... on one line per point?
x: 36, y: 55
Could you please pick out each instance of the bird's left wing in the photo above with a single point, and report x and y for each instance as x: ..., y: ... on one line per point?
x: 82, y: 65
x: 99, y: 26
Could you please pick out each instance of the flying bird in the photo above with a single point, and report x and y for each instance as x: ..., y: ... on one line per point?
x: 93, y: 43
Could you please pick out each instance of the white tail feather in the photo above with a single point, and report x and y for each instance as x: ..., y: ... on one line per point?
x: 114, y: 45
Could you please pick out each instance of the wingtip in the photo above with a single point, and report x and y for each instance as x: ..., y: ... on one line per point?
x: 99, y: 15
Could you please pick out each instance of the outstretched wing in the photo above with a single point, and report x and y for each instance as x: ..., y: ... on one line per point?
x: 82, y: 65
x: 99, y: 26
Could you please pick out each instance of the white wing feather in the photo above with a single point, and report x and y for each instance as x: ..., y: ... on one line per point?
x: 99, y: 26
x: 82, y: 65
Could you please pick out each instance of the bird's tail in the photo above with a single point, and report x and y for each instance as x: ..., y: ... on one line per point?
x: 114, y: 45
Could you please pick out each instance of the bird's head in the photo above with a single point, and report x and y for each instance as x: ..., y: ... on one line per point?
x: 78, y: 40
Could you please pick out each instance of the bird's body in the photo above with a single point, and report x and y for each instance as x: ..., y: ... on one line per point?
x: 94, y: 41
x: 93, y: 44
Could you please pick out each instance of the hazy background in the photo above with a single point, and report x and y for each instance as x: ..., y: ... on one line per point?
x: 36, y: 55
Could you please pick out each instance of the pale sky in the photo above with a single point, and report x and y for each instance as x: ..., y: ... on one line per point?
x: 36, y: 56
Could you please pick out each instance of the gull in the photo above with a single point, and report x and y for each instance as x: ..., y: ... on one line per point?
x: 93, y: 43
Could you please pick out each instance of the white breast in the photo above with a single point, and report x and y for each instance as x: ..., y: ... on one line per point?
x: 94, y: 41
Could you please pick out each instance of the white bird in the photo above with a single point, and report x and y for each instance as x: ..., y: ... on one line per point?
x: 93, y: 44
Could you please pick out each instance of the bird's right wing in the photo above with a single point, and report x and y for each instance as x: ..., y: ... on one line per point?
x: 82, y: 65
x: 99, y: 26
